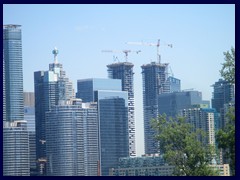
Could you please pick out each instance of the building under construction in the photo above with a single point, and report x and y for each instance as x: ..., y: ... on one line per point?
x: 156, y: 80
x: 124, y: 71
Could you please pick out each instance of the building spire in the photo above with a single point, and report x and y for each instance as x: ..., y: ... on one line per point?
x: 55, y: 52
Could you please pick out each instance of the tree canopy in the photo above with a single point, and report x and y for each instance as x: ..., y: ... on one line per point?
x: 228, y: 67
x: 180, y: 147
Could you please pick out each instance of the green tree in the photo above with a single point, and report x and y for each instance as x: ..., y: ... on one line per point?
x: 180, y: 147
x: 226, y: 136
x: 228, y: 67
x: 226, y: 139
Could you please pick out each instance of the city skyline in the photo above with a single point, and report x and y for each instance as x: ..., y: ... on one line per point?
x: 199, y: 34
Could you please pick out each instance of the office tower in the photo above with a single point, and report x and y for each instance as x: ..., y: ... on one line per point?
x: 113, y: 128
x: 15, y: 136
x: 155, y: 82
x: 72, y: 139
x: 50, y: 87
x: 124, y: 71
x: 87, y: 87
x: 12, y: 74
x: 29, y: 117
x: 112, y: 118
x: 15, y: 149
x: 201, y: 118
x: 223, y: 92
x: 172, y: 103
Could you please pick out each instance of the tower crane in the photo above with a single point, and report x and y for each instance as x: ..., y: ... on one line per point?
x: 151, y: 44
x: 122, y: 51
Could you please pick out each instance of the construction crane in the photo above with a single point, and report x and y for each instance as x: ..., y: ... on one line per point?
x: 151, y: 44
x: 122, y: 51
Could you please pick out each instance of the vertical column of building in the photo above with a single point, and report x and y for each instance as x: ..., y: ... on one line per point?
x: 29, y: 117
x: 154, y: 83
x: 124, y: 71
x: 17, y: 162
x: 113, y: 128
x: 50, y: 88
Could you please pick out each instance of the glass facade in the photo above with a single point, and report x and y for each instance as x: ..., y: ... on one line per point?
x: 113, y: 128
x: 12, y: 73
x: 86, y: 87
x: 223, y: 92
x: 50, y: 88
x: 72, y: 141
x: 172, y: 103
x: 124, y: 71
x: 29, y: 117
x: 15, y: 149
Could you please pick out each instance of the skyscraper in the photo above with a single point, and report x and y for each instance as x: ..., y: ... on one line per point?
x: 50, y: 87
x: 223, y: 92
x: 112, y: 106
x: 15, y: 135
x: 29, y: 117
x: 172, y: 103
x: 113, y: 128
x: 155, y: 82
x: 201, y: 118
x: 15, y: 149
x: 124, y: 71
x: 87, y: 87
x: 12, y: 73
x: 72, y: 139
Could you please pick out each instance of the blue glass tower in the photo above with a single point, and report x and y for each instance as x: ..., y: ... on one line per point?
x: 50, y: 88
x: 113, y: 128
x: 15, y: 134
x: 12, y: 73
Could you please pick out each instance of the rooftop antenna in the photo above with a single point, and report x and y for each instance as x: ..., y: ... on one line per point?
x: 55, y: 52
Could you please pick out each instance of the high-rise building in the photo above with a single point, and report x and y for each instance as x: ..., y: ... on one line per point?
x: 201, y: 118
x: 172, y: 103
x: 15, y: 135
x: 12, y: 73
x: 124, y: 71
x: 72, y: 139
x: 112, y: 105
x: 50, y: 87
x: 223, y: 92
x: 156, y: 81
x: 15, y: 149
x: 87, y: 87
x: 29, y: 117
x: 113, y: 128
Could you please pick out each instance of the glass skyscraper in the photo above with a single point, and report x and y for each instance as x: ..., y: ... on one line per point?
x: 72, y: 139
x: 112, y: 106
x: 223, y: 93
x: 15, y: 149
x: 87, y: 87
x: 113, y: 128
x: 155, y: 81
x: 124, y: 71
x: 50, y: 88
x: 15, y: 134
x: 12, y: 73
x: 172, y: 103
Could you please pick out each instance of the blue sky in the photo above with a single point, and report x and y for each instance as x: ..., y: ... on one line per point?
x: 199, y: 34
